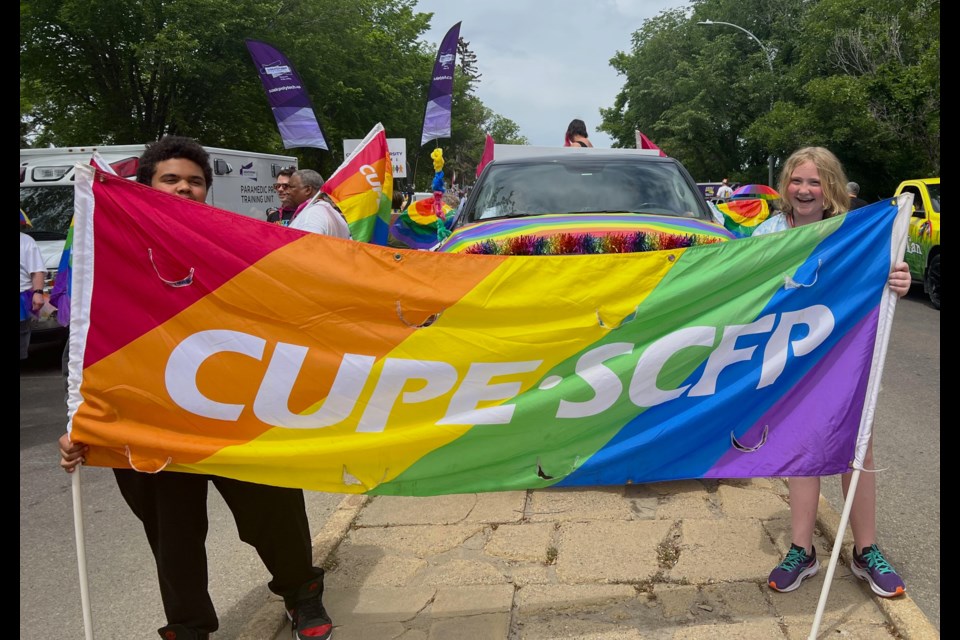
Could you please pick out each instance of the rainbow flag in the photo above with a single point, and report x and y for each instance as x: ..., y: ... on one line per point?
x: 24, y: 220
x: 363, y: 188
x: 62, y: 291
x: 390, y: 371
x: 741, y: 217
x: 417, y: 226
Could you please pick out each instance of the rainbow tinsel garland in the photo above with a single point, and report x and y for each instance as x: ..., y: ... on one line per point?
x: 585, y: 243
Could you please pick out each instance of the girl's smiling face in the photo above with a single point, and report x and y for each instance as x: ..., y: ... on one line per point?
x: 805, y: 194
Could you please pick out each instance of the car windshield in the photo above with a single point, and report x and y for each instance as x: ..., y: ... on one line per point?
x: 534, y: 188
x: 934, y: 190
x: 49, y: 209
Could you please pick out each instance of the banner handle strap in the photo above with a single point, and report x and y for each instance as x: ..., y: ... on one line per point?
x: 747, y: 449
x: 183, y: 282
x: 790, y: 283
x: 426, y: 323
x: 129, y: 453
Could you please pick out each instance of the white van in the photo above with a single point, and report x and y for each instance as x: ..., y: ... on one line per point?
x: 242, y: 183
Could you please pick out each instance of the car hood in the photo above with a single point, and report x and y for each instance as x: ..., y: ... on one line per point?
x: 579, y: 233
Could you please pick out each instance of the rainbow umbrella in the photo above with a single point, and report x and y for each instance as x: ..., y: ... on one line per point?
x: 24, y: 220
x: 743, y: 216
x: 756, y: 191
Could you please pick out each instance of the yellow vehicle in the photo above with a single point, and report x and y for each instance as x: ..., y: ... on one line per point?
x: 923, y: 245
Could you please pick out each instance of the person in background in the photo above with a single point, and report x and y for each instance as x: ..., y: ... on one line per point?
x: 853, y: 190
x: 576, y: 135
x: 173, y: 506
x: 396, y: 202
x: 724, y: 191
x: 32, y: 275
x: 284, y: 213
x: 813, y: 187
x: 396, y: 208
x: 316, y: 215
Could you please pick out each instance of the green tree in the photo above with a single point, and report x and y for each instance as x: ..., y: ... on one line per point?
x: 111, y: 72
x: 362, y: 63
x: 890, y: 52
x: 102, y: 71
x: 471, y: 120
x: 861, y: 77
x: 504, y: 130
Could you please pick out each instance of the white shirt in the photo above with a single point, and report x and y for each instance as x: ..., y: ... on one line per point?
x: 30, y: 261
x: 724, y: 191
x: 772, y: 224
x: 321, y: 218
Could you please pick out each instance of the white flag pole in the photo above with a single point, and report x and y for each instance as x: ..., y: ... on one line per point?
x: 79, y: 325
x: 884, y: 325
x: 81, y: 555
x: 834, y: 555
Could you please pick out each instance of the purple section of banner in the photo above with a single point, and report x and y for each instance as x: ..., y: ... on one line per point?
x: 288, y: 99
x: 437, y: 117
x: 831, y: 393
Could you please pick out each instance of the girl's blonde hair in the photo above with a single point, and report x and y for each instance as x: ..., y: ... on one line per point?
x: 833, y: 180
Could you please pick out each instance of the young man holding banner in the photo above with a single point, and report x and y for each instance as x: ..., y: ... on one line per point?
x: 173, y: 506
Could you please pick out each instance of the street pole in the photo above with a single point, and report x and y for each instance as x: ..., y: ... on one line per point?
x: 768, y: 53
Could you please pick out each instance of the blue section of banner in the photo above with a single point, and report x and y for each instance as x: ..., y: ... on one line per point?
x: 847, y: 273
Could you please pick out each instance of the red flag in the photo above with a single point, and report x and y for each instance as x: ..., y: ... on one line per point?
x: 643, y: 142
x: 487, y: 154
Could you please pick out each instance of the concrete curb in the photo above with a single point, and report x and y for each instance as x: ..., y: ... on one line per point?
x: 270, y: 619
x: 902, y: 613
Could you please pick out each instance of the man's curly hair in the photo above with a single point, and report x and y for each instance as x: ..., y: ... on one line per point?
x: 173, y: 147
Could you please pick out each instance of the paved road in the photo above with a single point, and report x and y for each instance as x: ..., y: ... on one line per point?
x: 123, y: 584
x: 907, y: 446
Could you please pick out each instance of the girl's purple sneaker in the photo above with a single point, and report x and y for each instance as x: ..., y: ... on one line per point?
x: 874, y: 568
x: 796, y: 566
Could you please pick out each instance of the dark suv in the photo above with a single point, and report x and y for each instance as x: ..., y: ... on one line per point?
x: 587, y: 201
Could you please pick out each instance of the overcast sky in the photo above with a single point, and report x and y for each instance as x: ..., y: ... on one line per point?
x: 546, y: 62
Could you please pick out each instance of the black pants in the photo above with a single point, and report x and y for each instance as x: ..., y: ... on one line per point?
x: 173, y: 509
x: 24, y: 339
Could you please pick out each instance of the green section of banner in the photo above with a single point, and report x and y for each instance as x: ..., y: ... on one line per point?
x: 709, y: 286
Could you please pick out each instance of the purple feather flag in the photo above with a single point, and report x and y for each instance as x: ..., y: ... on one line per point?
x: 288, y: 99
x: 437, y: 116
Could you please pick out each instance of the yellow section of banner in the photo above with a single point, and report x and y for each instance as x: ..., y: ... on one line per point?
x: 460, y: 370
x: 344, y: 382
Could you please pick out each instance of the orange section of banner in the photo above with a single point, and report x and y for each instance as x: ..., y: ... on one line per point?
x: 321, y: 312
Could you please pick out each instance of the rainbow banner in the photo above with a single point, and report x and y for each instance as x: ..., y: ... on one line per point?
x: 363, y: 188
x: 741, y: 217
x: 388, y: 371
